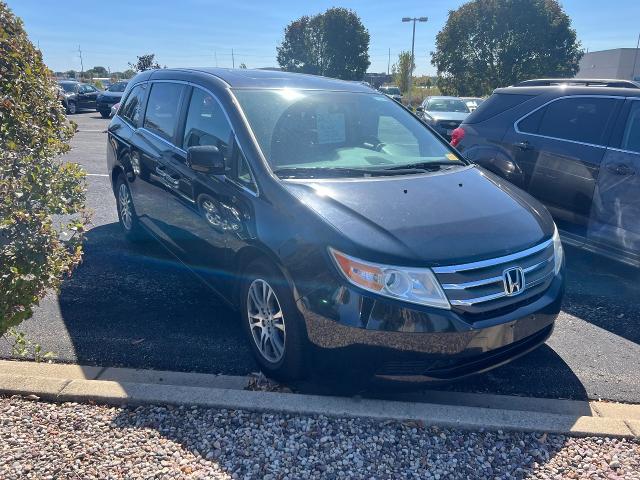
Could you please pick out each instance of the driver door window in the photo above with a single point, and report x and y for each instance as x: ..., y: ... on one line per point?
x: 207, y: 124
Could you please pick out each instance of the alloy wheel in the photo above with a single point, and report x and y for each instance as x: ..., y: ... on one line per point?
x: 126, y: 211
x: 266, y: 321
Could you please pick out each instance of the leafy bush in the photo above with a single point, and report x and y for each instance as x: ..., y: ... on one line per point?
x: 42, y: 214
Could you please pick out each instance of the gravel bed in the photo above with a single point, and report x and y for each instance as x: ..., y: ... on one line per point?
x: 68, y: 441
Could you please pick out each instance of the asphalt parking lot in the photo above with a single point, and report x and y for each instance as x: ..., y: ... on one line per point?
x: 138, y: 307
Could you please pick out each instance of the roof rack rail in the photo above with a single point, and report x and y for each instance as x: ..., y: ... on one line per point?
x: 587, y: 82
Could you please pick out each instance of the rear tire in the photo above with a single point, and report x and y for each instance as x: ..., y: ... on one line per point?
x: 127, y: 213
x: 104, y: 114
x: 274, y: 328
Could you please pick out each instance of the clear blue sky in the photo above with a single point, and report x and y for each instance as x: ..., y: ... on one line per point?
x: 194, y: 32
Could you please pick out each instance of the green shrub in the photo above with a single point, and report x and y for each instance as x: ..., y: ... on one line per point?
x: 42, y: 213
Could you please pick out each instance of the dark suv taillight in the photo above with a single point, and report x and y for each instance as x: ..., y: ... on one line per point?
x: 456, y: 136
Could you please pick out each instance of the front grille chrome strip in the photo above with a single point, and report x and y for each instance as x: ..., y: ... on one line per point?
x: 492, y: 261
x: 487, y: 298
x: 489, y: 281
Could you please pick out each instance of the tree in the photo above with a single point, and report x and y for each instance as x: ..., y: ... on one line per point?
x: 70, y: 73
x: 243, y: 66
x: 36, y: 251
x: 98, y: 72
x: 402, y: 71
x: 145, y: 62
x: 127, y: 74
x: 334, y: 44
x: 494, y: 43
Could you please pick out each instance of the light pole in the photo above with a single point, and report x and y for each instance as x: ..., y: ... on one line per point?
x: 413, y: 42
x: 635, y: 60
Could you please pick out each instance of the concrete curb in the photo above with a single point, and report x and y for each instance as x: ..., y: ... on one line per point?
x: 612, y: 420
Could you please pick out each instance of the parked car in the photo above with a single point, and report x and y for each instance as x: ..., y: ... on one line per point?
x: 341, y: 227
x: 392, y: 91
x: 472, y: 102
x: 443, y: 114
x: 78, y: 96
x: 108, y: 98
x: 573, y: 144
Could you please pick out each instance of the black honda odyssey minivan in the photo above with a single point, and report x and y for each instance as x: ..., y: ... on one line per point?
x: 342, y: 228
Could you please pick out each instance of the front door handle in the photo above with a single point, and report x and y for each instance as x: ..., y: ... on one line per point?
x: 166, y: 177
x: 523, y: 145
x: 620, y: 169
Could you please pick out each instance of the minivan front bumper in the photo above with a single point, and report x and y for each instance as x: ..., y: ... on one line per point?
x: 390, y: 340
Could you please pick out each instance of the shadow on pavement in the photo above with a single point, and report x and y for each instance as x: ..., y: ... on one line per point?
x: 136, y: 306
x: 604, y: 293
x: 516, y: 378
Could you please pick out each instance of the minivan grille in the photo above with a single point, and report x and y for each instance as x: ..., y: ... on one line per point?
x: 479, y: 287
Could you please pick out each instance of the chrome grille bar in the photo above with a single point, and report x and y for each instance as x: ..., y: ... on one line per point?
x: 492, y: 261
x: 487, y: 298
x: 489, y: 281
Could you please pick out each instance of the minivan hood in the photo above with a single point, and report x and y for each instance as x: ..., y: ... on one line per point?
x: 443, y: 218
x: 447, y: 115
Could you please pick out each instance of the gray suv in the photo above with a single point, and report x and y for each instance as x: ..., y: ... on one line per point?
x: 574, y: 145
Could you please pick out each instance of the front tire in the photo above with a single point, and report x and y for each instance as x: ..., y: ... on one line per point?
x: 72, y: 108
x: 105, y: 114
x: 126, y: 212
x: 272, y: 323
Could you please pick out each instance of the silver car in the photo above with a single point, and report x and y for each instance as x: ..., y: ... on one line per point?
x: 444, y: 114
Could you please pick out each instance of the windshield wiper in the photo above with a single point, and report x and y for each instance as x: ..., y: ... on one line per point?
x: 432, y: 165
x: 323, y: 172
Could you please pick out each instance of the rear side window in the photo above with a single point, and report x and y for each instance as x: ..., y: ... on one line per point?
x: 134, y: 105
x: 631, y: 136
x: 163, y: 109
x: 495, y: 104
x: 531, y: 123
x: 579, y: 119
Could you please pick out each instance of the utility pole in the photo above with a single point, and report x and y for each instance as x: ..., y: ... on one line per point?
x: 635, y: 59
x: 389, y: 62
x: 413, y: 42
x: 233, y: 59
x: 81, y: 63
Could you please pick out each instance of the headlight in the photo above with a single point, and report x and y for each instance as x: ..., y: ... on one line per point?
x: 558, y: 252
x: 415, y: 285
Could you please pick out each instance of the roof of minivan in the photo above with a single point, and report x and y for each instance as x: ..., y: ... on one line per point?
x: 249, y: 78
x: 572, y: 90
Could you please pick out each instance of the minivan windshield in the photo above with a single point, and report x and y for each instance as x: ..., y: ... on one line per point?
x: 303, y: 133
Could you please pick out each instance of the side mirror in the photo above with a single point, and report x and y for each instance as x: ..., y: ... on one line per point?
x: 206, y: 159
x: 420, y: 109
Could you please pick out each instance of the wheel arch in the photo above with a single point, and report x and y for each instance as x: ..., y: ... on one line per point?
x: 247, y: 255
